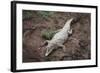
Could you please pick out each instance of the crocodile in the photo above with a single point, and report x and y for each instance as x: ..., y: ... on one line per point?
x: 59, y: 38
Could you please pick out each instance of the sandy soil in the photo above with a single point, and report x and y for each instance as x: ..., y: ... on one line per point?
x: 77, y: 45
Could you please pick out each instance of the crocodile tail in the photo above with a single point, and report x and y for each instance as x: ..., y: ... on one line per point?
x: 67, y: 24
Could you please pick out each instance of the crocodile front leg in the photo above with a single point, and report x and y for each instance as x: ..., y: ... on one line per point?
x: 62, y: 46
x: 44, y: 43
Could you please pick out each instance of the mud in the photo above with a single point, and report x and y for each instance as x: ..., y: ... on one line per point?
x: 77, y: 45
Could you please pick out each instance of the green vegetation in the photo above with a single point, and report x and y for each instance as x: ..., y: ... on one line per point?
x: 27, y: 14
x: 48, y: 34
x: 45, y: 14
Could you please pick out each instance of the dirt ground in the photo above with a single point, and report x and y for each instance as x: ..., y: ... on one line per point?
x: 77, y: 45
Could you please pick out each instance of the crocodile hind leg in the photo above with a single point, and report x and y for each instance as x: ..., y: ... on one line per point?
x: 70, y: 31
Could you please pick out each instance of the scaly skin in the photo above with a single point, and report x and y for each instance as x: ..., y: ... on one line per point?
x: 59, y: 38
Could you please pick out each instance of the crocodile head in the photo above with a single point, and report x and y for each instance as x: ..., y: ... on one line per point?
x: 49, y: 48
